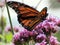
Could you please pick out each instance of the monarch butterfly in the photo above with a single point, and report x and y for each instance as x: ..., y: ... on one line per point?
x: 27, y: 16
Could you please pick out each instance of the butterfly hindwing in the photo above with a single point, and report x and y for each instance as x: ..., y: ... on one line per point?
x: 27, y: 16
x: 43, y: 14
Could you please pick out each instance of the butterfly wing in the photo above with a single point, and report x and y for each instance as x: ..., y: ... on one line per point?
x: 40, y: 17
x: 27, y: 16
x: 23, y: 10
x: 43, y: 14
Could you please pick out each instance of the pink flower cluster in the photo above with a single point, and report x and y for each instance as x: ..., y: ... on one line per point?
x: 15, y: 28
x: 53, y: 40
x: 41, y: 34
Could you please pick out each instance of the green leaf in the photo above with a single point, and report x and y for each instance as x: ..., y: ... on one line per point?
x: 8, y: 37
x: 1, y: 36
x: 57, y: 35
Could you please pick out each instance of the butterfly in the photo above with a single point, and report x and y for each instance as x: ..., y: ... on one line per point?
x: 28, y: 16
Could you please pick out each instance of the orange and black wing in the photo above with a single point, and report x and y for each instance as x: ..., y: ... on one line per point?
x: 43, y: 14
x: 27, y: 16
x: 23, y: 10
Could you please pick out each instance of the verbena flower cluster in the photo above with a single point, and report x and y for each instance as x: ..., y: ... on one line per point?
x: 41, y: 34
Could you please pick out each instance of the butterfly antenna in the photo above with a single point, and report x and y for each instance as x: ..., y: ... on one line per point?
x: 38, y: 3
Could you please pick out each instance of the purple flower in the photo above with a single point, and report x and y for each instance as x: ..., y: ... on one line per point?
x: 17, y: 28
x: 16, y: 36
x: 41, y: 37
x: 39, y: 34
x: 7, y: 28
x: 33, y: 33
x: 38, y: 28
x: 53, y: 40
x: 24, y: 33
x: 21, y: 35
x: 47, y: 26
x: 17, y: 39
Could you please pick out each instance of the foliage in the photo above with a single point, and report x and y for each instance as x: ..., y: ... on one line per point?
x: 57, y: 35
x: 2, y: 22
x: 8, y: 37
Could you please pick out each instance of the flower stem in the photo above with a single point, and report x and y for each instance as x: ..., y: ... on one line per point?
x: 9, y: 18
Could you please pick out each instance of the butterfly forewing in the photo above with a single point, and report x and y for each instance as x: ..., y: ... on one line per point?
x: 28, y: 16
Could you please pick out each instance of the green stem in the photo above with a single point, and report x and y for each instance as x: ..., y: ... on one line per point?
x: 9, y: 18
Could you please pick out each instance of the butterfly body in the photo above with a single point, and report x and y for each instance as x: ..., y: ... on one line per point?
x: 28, y: 16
